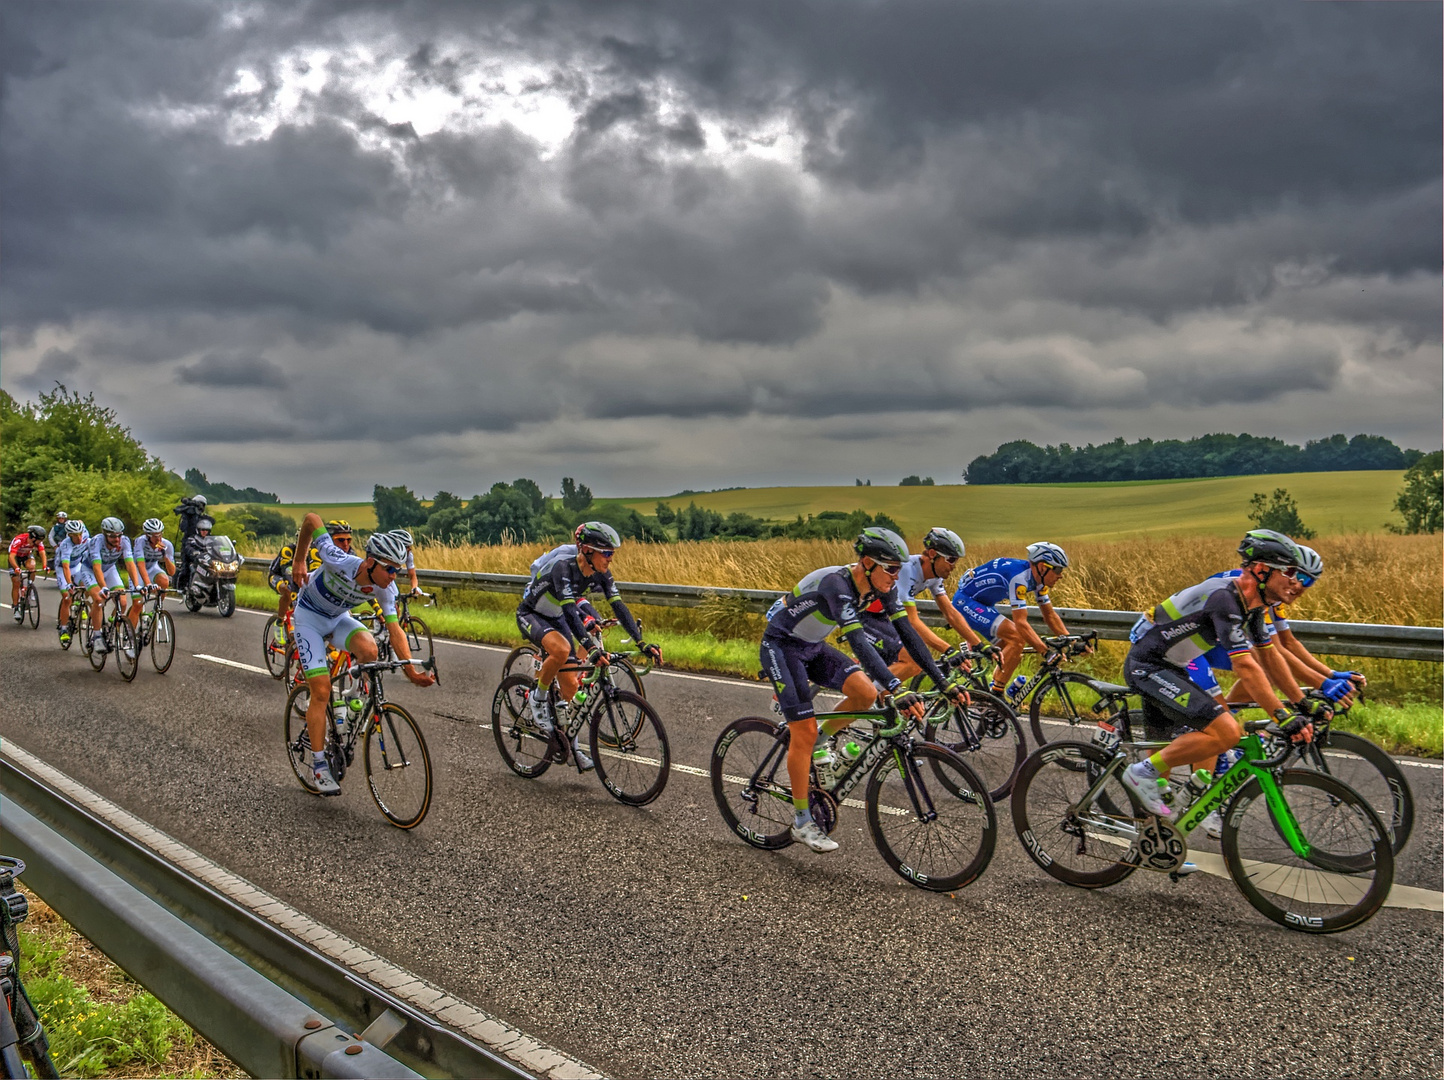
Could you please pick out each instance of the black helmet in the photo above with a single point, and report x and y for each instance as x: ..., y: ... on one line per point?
x: 37, y: 532
x: 884, y: 545
x: 944, y: 542
x: 1270, y: 548
x: 597, y: 534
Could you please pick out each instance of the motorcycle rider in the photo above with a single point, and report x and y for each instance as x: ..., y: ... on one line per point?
x: 190, y: 510
x: 193, y: 547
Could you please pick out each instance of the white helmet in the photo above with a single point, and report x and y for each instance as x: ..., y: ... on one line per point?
x: 75, y: 527
x: 1310, y: 561
x: 404, y: 535
x: 152, y: 526
x: 1048, y: 554
x: 944, y: 542
x: 386, y: 547
x: 112, y: 525
x: 199, y: 500
x: 61, y: 515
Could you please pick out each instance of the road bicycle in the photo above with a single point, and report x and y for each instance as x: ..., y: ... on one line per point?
x: 22, y: 1037
x: 632, y: 664
x: 418, y: 634
x: 157, y: 631
x: 118, y: 635
x: 1367, y: 768
x: 929, y: 813
x: 278, y: 646
x: 393, y: 750
x: 29, y: 606
x: 628, y: 744
x: 1305, y: 849
x: 986, y: 733
x: 77, y: 626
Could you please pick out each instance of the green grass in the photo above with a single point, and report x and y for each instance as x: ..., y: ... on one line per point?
x: 1337, y: 502
x: 1399, y: 729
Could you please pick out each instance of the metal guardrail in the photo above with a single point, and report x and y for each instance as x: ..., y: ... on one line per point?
x: 1335, y: 639
x: 273, y: 1005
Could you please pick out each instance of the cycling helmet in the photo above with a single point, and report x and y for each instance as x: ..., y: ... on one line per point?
x: 152, y: 526
x: 75, y: 528
x: 1048, y: 554
x: 386, y: 547
x: 205, y: 523
x: 338, y: 525
x: 884, y: 545
x: 1270, y: 548
x: 1310, y: 562
x: 112, y: 525
x: 944, y: 542
x: 37, y: 532
x: 404, y: 535
x: 597, y: 534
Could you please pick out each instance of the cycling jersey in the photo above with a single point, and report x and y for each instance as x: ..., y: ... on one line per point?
x: 1002, y: 584
x: 72, y: 550
x: 542, y: 563
x: 334, y: 591
x: 23, y: 547
x: 1193, y: 621
x: 554, y: 595
x: 109, y: 558
x: 910, y: 582
x: 142, y: 552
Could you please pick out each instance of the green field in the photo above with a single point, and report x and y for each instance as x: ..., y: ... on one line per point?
x: 1329, y: 503
x: 360, y: 515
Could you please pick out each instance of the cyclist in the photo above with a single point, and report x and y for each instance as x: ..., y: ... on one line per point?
x: 99, y: 572
x: 1339, y: 686
x: 23, y: 550
x: 152, y: 551
x: 404, y: 535
x: 278, y: 576
x: 73, y: 547
x: 942, y: 548
x: 797, y: 658
x: 993, y: 599
x: 56, y: 538
x: 551, y: 616
x: 1218, y: 611
x: 323, y: 614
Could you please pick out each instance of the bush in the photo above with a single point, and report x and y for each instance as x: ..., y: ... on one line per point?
x: 1280, y: 513
x: 916, y: 481
x: 1421, y: 500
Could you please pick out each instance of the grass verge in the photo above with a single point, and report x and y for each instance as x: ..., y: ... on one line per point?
x: 1411, y: 728
x: 99, y: 1020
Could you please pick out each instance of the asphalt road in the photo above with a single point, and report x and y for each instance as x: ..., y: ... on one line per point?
x: 651, y: 942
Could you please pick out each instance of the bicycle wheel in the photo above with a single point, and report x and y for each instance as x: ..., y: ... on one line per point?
x: 1373, y: 774
x: 938, y: 835
x: 987, y: 735
x: 298, y: 738
x: 523, y: 660
x: 97, y: 658
x: 1089, y: 846
x: 31, y: 599
x: 1066, y: 698
x: 127, y: 653
x: 522, y: 746
x: 627, y: 677
x: 398, y: 767
x: 418, y: 638
x: 162, y: 641
x: 632, y: 756
x: 1309, y: 894
x: 750, y: 784
x: 272, y: 649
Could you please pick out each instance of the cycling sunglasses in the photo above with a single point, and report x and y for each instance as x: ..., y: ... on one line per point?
x: 605, y: 553
x: 388, y: 569
x: 888, y: 568
x: 1304, y: 579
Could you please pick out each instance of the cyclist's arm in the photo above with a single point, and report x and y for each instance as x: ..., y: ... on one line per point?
x: 917, y: 649
x: 1302, y: 658
x: 1051, y: 617
x: 1254, y: 679
x: 956, y: 620
x: 1019, y: 615
x: 309, y: 524
x: 924, y: 631
x: 44, y: 562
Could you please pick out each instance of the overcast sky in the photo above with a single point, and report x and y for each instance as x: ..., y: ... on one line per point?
x: 314, y: 247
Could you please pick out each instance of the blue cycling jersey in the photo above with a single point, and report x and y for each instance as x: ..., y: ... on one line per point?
x: 1001, y: 583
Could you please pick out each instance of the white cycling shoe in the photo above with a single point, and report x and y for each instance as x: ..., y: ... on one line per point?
x: 1140, y: 779
x: 324, y: 782
x: 583, y: 759
x: 815, y: 839
x: 1213, y: 825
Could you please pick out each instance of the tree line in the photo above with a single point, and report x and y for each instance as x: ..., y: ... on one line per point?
x: 1023, y: 462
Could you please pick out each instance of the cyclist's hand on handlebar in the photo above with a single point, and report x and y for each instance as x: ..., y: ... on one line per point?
x: 1294, y: 727
x: 1341, y: 690
x: 419, y: 678
x: 909, y: 703
x: 650, y: 650
x: 958, y: 695
x: 596, y: 655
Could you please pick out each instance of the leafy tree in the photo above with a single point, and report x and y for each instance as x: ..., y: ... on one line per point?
x: 697, y: 523
x: 448, y: 524
x: 396, y: 507
x: 1421, y: 500
x: 916, y: 481
x: 216, y: 491
x: 835, y: 525
x: 530, y: 489
x: 266, y: 522
x: 445, y: 500
x: 1280, y: 513
x: 89, y: 495
x: 665, y: 514
x: 502, y: 515
x: 575, y: 497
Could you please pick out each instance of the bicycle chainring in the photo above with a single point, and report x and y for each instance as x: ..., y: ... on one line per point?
x: 823, y: 808
x: 1161, y: 846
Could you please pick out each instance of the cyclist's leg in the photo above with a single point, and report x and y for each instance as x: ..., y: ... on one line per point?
x: 14, y: 583
x: 1011, y: 642
x: 158, y: 577
x: 786, y: 665
x: 836, y: 670
x: 312, y: 632
x: 986, y: 622
x: 359, y: 641
x: 1213, y: 728
x: 116, y: 586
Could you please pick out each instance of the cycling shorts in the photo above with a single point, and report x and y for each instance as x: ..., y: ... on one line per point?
x: 795, y: 668
x: 1170, y: 697
x: 534, y: 627
x: 313, y: 630
x: 983, y: 619
x: 884, y: 637
x: 84, y: 576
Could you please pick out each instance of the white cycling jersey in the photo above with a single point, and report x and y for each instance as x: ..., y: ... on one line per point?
x: 332, y: 590
x: 910, y: 582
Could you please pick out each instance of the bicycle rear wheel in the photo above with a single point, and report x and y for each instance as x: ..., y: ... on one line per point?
x: 1310, y: 893
x: 988, y: 735
x: 1085, y: 845
x: 31, y: 598
x: 1066, y: 698
x: 398, y: 767
x: 272, y: 649
x: 523, y: 660
x: 750, y: 783
x: 940, y: 836
x: 522, y: 745
x: 298, y: 738
x: 1372, y: 773
x: 127, y: 654
x: 162, y: 641
x: 418, y: 638
x: 629, y: 747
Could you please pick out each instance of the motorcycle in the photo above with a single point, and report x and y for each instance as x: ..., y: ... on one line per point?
x: 213, y: 577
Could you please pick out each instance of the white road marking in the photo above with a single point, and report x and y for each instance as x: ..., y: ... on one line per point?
x: 232, y: 663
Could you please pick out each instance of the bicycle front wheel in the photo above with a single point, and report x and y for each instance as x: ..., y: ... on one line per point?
x: 931, y: 818
x: 629, y: 747
x: 1065, y: 699
x: 1372, y: 773
x: 32, y: 606
x: 97, y: 658
x: 398, y: 767
x: 272, y: 648
x: 750, y: 784
x: 127, y: 655
x: 1343, y: 880
x: 523, y: 747
x: 988, y: 735
x: 418, y: 638
x: 298, y: 738
x: 162, y: 641
x: 1088, y: 843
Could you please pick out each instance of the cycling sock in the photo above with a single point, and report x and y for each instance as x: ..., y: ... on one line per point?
x: 800, y: 818
x: 1157, y: 767
x: 318, y: 759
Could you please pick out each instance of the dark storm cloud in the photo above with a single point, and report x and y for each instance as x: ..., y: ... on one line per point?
x: 1074, y: 206
x: 56, y: 365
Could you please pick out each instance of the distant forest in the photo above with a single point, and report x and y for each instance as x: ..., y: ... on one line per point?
x: 216, y: 491
x: 1023, y: 462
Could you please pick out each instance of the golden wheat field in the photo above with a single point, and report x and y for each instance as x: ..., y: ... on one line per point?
x: 1367, y: 578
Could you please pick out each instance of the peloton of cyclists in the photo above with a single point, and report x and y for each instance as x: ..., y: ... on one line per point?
x: 23, y: 550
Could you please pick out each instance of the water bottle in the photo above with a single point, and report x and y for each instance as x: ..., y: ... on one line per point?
x: 1227, y: 760
x: 580, y: 698
x: 341, y: 716
x: 824, y: 762
x: 1197, y: 784
x: 1016, y: 687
